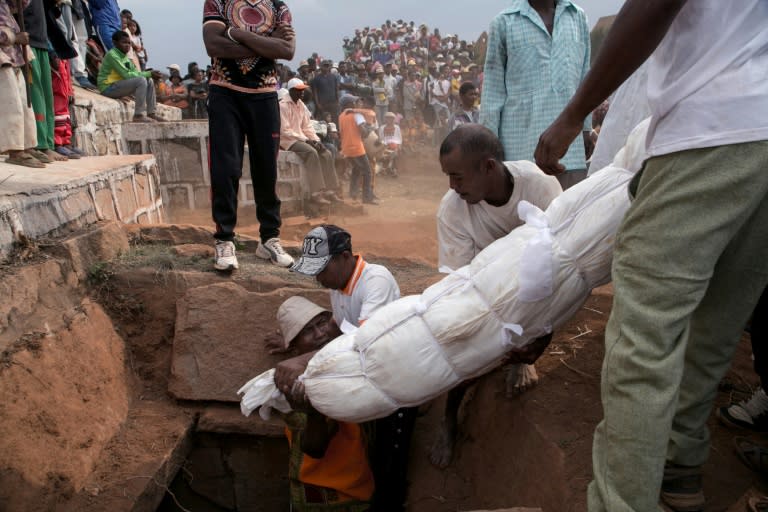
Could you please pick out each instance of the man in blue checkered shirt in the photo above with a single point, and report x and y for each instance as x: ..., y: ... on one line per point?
x: 538, y: 53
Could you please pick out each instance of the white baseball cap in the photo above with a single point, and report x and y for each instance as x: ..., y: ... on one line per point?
x: 175, y: 67
x: 296, y: 83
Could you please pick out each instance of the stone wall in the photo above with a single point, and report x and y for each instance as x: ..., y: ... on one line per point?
x: 181, y: 150
x: 74, y: 194
x: 100, y: 121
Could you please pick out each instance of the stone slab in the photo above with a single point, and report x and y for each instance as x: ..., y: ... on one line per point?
x: 69, y: 195
x: 219, y: 340
x: 223, y: 419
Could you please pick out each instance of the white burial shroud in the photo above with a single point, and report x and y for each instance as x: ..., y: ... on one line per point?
x: 520, y: 287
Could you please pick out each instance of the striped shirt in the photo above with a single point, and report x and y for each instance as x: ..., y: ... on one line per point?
x: 530, y: 76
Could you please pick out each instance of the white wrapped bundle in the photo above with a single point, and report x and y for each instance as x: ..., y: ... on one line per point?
x: 520, y: 287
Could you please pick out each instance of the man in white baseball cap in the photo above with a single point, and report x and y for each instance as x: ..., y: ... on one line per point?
x: 174, y: 69
x: 298, y: 136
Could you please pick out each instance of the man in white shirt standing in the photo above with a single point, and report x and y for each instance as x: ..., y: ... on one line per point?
x: 298, y: 136
x: 691, y: 257
x: 480, y: 208
x: 440, y: 94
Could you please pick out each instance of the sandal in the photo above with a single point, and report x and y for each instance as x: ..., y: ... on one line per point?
x: 757, y: 504
x: 753, y: 456
x: 25, y: 159
x: 39, y: 155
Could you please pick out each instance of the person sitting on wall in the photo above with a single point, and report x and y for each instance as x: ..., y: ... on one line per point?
x: 298, y: 136
x: 328, y: 465
x: 118, y: 78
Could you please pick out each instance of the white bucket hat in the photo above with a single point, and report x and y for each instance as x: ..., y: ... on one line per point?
x: 294, y: 314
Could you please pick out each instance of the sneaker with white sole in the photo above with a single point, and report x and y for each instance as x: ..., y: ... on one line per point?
x: 225, y: 256
x: 751, y: 414
x: 273, y: 251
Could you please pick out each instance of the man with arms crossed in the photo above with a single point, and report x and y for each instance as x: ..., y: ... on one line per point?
x: 480, y: 208
x: 691, y: 256
x: 242, y: 105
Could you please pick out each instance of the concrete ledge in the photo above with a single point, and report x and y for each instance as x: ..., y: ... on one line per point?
x: 181, y: 149
x: 38, y: 203
x: 100, y: 122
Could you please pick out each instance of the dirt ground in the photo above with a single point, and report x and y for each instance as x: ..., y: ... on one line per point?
x: 534, y: 450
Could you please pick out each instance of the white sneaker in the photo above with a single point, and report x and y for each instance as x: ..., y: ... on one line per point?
x: 225, y: 256
x: 751, y: 414
x: 273, y: 251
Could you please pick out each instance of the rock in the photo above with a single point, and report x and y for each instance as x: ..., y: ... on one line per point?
x: 194, y: 251
x: 176, y: 234
x: 218, y: 344
x: 103, y: 243
x: 222, y: 419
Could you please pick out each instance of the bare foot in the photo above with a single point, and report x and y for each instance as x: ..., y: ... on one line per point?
x: 520, y: 378
x: 442, y: 449
x: 55, y: 156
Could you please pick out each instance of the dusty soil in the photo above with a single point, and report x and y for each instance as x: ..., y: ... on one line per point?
x: 529, y: 451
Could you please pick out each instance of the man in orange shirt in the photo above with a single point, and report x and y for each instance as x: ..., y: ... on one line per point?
x: 353, y: 129
x: 328, y: 466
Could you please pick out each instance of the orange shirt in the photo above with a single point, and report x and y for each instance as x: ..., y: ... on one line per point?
x: 351, y: 141
x: 344, y: 467
x: 180, y: 90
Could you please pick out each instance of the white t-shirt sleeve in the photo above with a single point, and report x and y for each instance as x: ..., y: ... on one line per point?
x: 456, y: 247
x: 537, y: 188
x: 380, y: 290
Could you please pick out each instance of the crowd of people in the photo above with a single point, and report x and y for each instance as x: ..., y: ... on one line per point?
x: 47, y: 47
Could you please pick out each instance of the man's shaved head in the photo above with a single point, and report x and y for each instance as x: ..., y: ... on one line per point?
x: 475, y: 142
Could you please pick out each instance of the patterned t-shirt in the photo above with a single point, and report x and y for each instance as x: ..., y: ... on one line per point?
x: 258, y: 16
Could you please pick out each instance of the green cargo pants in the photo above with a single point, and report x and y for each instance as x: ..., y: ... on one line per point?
x: 690, y: 263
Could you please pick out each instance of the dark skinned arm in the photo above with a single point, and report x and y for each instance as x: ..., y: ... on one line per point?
x: 286, y: 372
x: 217, y: 44
x: 639, y: 28
x: 319, y: 430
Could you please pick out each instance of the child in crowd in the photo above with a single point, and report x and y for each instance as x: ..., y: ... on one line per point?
x: 119, y: 77
x: 63, y: 97
x: 390, y: 136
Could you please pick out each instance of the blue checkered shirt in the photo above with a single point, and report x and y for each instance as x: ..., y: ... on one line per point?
x: 530, y: 76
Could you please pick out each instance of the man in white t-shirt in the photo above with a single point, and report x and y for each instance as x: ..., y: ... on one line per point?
x: 691, y: 256
x: 358, y: 288
x: 480, y: 208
